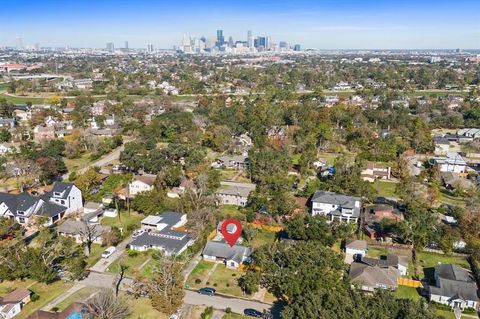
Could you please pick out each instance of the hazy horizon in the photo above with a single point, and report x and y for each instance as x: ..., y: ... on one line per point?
x: 323, y: 25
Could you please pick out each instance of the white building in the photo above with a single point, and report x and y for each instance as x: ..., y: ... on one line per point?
x: 453, y: 162
x: 141, y: 183
x: 336, y: 206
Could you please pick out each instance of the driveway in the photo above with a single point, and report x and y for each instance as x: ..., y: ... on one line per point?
x: 103, y: 263
x: 221, y: 303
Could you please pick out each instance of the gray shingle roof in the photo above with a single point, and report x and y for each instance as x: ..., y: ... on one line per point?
x: 455, y: 282
x: 75, y: 227
x: 345, y: 201
x: 373, y: 276
x: 170, y: 241
x: 223, y: 250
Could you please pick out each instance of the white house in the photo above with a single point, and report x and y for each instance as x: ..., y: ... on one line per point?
x: 12, y: 304
x: 453, y: 162
x: 141, y: 183
x: 232, y: 257
x: 336, y: 206
x: 67, y: 195
x: 455, y: 287
x: 355, y: 249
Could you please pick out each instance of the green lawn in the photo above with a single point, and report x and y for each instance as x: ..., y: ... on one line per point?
x: 262, y: 238
x: 124, y: 220
x: 230, y: 211
x: 141, y: 308
x: 407, y: 293
x: 429, y: 260
x: 446, y: 314
x: 79, y: 296
x: 224, y: 280
x: 385, y: 189
x: 234, y: 316
x: 9, y: 286
x: 75, y: 164
x: 22, y: 100
x: 450, y: 199
x: 199, y: 272
x: 47, y: 293
x: 135, y: 264
x: 95, y: 254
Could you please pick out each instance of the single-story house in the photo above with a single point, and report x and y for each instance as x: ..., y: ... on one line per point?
x: 231, y: 161
x: 455, y: 287
x: 78, y: 230
x: 141, y: 183
x: 232, y: 257
x: 369, y: 278
x: 12, y: 304
x: 373, y: 216
x: 391, y: 260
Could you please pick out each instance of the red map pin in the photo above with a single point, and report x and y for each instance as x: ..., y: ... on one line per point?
x: 231, y: 235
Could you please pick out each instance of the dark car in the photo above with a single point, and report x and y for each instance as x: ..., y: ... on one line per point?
x: 253, y: 313
x: 207, y: 291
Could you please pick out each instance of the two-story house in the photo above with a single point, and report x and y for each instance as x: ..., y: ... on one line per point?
x: 336, y: 206
x: 67, y: 195
x: 141, y: 183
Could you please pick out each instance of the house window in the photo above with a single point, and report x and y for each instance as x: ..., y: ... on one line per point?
x: 62, y: 202
x: 19, y: 212
x: 21, y: 220
x: 57, y: 194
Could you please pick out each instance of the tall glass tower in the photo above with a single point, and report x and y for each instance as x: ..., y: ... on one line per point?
x: 220, y: 38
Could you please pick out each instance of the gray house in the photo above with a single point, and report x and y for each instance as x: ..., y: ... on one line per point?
x: 232, y: 257
x: 455, y: 287
x: 234, y: 193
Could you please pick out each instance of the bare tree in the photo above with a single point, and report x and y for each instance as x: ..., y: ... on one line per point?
x: 89, y: 233
x: 25, y: 171
x: 121, y: 274
x: 104, y: 305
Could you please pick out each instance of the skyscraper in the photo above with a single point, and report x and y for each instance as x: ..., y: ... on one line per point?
x: 230, y: 42
x: 110, y: 47
x: 36, y: 46
x: 220, y: 38
x: 150, y: 48
x: 296, y: 47
x: 126, y: 45
x: 250, y: 39
x: 19, y: 43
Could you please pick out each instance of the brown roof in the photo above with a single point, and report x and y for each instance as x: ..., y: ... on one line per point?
x: 356, y: 244
x: 149, y: 180
x: 17, y: 295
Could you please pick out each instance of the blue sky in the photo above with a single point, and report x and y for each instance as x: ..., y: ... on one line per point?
x: 322, y: 24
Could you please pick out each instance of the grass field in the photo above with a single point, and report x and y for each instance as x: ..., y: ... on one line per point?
x: 47, y: 293
x: 124, y: 221
x: 8, y: 286
x: 22, y: 100
x: 385, y: 189
x: 262, y: 238
x: 79, y: 296
x: 230, y: 211
x: 141, y: 308
x: 77, y: 163
x: 224, y: 280
x: 199, y: 272
x: 136, y: 264
x: 445, y: 314
x: 429, y: 260
x: 405, y: 292
x: 449, y: 199
x: 95, y: 254
x: 234, y: 316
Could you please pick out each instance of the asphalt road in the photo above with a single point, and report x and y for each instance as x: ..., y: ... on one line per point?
x: 221, y: 303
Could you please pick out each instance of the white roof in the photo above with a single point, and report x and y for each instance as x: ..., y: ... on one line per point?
x: 152, y: 220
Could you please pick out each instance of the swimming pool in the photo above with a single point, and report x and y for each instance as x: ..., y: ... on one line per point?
x: 75, y: 315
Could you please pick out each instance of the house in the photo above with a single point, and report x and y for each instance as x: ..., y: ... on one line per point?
x: 141, y: 183
x: 232, y: 257
x: 234, y: 193
x: 442, y: 145
x: 468, y: 134
x: 12, y: 304
x: 453, y: 162
x: 22, y: 112
x: 391, y: 260
x: 231, y: 162
x: 277, y: 133
x: 373, y: 216
x: 372, y: 171
x: 336, y: 206
x: 453, y: 180
x: 43, y: 133
x: 25, y: 208
x: 369, y: 278
x: 73, y: 311
x: 455, y: 287
x: 163, y: 234
x: 67, y: 195
x: 7, y: 123
x: 78, y: 230
x: 355, y: 249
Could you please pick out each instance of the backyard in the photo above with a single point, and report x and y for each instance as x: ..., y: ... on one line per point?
x: 385, y: 189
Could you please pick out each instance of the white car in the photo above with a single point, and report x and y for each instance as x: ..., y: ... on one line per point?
x: 138, y: 232
x: 108, y: 252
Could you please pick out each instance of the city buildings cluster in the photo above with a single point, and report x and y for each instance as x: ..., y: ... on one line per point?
x: 219, y: 43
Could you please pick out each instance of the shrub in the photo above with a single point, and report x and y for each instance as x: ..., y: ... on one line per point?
x: 208, y: 282
x: 228, y: 310
x: 215, y: 285
x: 234, y: 275
x: 470, y: 311
x: 34, y: 297
x: 132, y: 253
x: 227, y: 285
x: 198, y: 281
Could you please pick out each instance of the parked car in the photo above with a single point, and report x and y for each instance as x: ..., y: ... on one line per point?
x: 138, y: 232
x: 108, y: 252
x: 207, y: 291
x: 253, y: 313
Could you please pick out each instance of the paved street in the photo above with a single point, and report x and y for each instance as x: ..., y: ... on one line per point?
x: 221, y: 303
x: 102, y: 264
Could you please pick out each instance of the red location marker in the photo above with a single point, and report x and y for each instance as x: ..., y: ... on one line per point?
x: 232, y: 236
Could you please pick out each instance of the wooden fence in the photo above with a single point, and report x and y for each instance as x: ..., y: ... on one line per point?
x: 273, y: 229
x: 409, y: 282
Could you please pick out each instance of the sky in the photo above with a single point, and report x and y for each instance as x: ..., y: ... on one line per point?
x: 321, y: 24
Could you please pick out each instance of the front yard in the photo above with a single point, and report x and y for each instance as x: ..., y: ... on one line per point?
x: 385, y: 189
x: 125, y: 221
x: 136, y: 263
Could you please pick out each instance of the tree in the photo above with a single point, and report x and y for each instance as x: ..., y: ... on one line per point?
x: 5, y: 135
x: 104, y: 305
x: 89, y: 233
x: 166, y: 288
x: 88, y: 181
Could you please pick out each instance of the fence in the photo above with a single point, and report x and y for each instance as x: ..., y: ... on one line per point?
x: 409, y: 282
x: 212, y: 234
x: 273, y: 229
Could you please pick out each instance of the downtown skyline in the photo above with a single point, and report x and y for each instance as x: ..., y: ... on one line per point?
x: 320, y: 25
